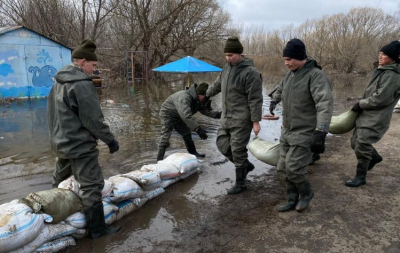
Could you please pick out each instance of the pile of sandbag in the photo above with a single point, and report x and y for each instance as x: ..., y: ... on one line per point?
x: 48, y: 221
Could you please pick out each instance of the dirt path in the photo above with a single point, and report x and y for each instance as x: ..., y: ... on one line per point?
x: 339, y: 219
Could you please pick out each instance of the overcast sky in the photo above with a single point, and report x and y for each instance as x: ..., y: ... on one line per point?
x: 275, y: 14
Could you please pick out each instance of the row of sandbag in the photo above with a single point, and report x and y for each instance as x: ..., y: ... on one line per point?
x: 268, y: 152
x: 48, y: 221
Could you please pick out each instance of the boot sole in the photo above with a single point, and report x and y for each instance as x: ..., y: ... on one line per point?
x: 354, y: 185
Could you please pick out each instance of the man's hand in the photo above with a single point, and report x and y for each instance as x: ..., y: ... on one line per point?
x: 272, y: 106
x: 218, y: 115
x: 318, y: 142
x: 200, y: 131
x: 357, y: 108
x: 113, y: 146
x: 256, y: 127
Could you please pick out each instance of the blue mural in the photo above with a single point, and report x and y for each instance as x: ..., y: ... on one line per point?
x: 6, y: 67
x: 43, y: 77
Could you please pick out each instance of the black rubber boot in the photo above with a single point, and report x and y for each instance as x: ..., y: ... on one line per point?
x: 249, y: 167
x: 376, y: 158
x: 191, y: 148
x: 293, y: 197
x: 360, y: 178
x: 315, y: 157
x: 95, y: 219
x: 240, y: 184
x: 161, y: 153
x: 306, y: 194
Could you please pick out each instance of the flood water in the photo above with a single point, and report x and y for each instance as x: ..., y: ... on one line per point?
x: 26, y: 162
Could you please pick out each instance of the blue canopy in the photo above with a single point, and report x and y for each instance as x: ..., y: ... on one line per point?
x: 188, y: 64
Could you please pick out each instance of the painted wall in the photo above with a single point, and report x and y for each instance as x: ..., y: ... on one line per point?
x: 28, y: 63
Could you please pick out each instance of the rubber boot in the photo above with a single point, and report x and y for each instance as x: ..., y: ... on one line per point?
x: 315, y: 157
x: 95, y: 219
x: 191, y: 148
x: 361, y: 176
x: 240, y: 184
x: 249, y: 167
x: 161, y: 153
x: 306, y: 194
x: 293, y: 197
x: 376, y: 158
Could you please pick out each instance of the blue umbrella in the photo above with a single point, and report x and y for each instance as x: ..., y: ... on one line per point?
x: 188, y: 65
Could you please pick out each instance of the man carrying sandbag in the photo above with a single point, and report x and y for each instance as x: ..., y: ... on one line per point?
x: 375, y: 111
x: 240, y: 85
x: 177, y: 113
x: 307, y: 103
x: 76, y: 122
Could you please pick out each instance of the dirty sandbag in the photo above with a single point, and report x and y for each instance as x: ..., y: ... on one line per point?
x: 58, y: 203
x: 343, y: 123
x: 265, y: 151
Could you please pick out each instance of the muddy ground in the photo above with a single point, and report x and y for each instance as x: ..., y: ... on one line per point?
x: 339, y: 219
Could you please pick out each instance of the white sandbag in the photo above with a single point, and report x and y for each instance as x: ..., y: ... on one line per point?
x: 56, y: 245
x: 166, y: 171
x: 49, y: 232
x: 343, y: 123
x: 71, y: 184
x: 183, y: 161
x: 154, y: 193
x: 109, y: 210
x: 265, y: 151
x: 125, y: 207
x: 147, y: 180
x: 77, y: 220
x: 18, y: 225
x: 167, y: 182
x: 185, y: 175
x: 124, y: 188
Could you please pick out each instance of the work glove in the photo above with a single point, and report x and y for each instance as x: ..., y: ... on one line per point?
x: 113, y: 146
x: 272, y: 106
x: 202, y: 133
x: 318, y: 142
x: 218, y: 115
x: 204, y: 101
x: 357, y: 108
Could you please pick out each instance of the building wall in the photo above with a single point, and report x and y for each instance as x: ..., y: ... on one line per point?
x: 28, y: 63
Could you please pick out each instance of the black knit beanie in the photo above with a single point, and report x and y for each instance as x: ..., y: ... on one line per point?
x: 295, y: 49
x: 85, y: 50
x: 233, y: 45
x: 202, y: 88
x: 392, y: 50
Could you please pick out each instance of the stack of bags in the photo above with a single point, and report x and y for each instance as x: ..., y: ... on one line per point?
x: 48, y: 221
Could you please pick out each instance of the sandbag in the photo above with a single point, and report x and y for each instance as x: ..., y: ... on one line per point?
x: 343, y: 123
x: 123, y: 188
x: 49, y: 232
x: 76, y: 220
x: 71, y: 184
x: 18, y: 225
x: 147, y: 180
x: 166, y: 171
x: 125, y: 207
x: 59, y: 203
x: 56, y: 245
x: 265, y: 151
x: 183, y: 161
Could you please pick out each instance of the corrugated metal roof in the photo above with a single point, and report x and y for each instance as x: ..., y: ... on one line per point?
x: 8, y: 29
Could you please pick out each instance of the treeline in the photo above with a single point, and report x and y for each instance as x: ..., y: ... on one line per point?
x: 170, y: 29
